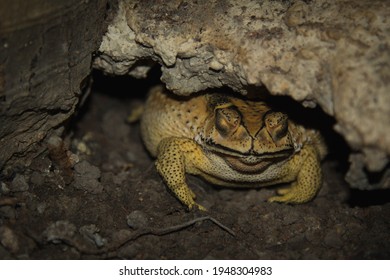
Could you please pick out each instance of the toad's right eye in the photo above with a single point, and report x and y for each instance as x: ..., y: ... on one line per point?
x: 227, y: 120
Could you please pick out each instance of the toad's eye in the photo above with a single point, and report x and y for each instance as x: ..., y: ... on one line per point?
x: 277, y: 125
x: 227, y: 120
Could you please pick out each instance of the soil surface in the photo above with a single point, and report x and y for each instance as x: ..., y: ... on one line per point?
x: 113, y: 204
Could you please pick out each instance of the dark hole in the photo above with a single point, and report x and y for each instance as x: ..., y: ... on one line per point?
x: 376, y: 177
x: 365, y: 198
x: 125, y: 87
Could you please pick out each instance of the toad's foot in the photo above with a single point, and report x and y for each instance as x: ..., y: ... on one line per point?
x: 308, y: 181
x: 186, y: 196
x: 293, y: 195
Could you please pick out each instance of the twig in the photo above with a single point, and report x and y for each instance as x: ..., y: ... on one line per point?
x: 78, y: 243
x: 189, y: 223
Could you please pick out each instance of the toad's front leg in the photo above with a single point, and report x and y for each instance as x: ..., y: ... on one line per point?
x: 175, y: 157
x: 308, y: 181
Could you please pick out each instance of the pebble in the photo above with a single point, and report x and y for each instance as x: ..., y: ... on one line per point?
x: 87, y: 170
x: 4, y: 189
x: 58, y: 231
x: 137, y: 219
x: 87, y: 176
x: 91, y: 232
x: 8, y: 239
x: 19, y: 184
x: 41, y: 207
x: 88, y: 184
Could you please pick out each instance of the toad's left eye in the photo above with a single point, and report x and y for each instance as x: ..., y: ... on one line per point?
x: 277, y: 124
x: 227, y: 120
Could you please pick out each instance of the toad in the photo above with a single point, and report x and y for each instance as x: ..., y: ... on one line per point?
x: 232, y: 141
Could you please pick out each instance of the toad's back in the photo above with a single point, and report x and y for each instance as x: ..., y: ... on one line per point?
x: 165, y: 116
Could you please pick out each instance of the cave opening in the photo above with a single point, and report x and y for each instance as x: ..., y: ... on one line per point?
x: 128, y: 90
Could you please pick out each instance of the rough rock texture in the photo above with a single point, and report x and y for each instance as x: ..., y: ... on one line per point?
x: 332, y: 53
x: 45, y: 59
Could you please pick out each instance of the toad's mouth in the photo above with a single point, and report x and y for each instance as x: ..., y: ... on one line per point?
x: 244, y: 166
x: 250, y: 162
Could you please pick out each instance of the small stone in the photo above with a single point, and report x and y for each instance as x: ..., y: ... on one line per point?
x: 19, y: 184
x: 83, y: 148
x: 41, y: 207
x: 91, y: 233
x: 85, y: 169
x: 4, y: 188
x: 8, y: 239
x: 88, y: 184
x: 73, y: 158
x: 137, y: 219
x: 215, y: 65
x: 58, y: 231
x: 55, y: 141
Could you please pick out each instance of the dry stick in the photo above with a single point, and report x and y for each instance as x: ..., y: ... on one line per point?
x: 81, y: 247
x: 167, y: 230
x: 189, y: 223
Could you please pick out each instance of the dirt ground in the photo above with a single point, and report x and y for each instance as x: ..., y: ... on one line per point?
x: 113, y: 204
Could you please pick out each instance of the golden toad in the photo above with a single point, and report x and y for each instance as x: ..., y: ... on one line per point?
x: 230, y: 141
